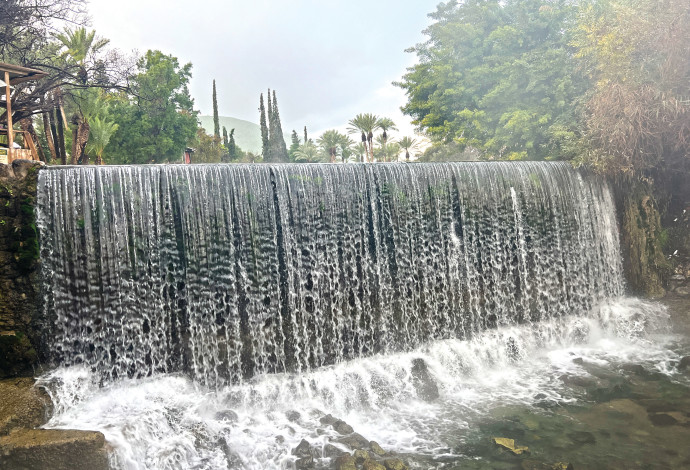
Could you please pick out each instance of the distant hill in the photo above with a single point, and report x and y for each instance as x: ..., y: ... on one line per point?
x: 247, y: 134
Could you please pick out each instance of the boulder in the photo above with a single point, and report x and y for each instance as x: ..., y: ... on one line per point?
x: 54, y: 449
x: 293, y: 416
x: 345, y: 462
x: 354, y: 441
x: 328, y: 420
x: 395, y: 464
x: 509, y: 445
x: 360, y: 456
x: 372, y: 465
x: 6, y: 171
x: 227, y: 415
x: 341, y: 427
x: 303, y: 449
x: 305, y: 463
x: 22, y: 405
x: 422, y: 381
x: 684, y: 363
x: 376, y: 448
x: 329, y: 451
x: 21, y: 167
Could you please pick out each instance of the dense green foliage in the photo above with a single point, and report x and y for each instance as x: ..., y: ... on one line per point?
x: 155, y: 125
x: 498, y: 75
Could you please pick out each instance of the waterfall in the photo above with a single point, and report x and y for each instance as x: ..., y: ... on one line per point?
x: 229, y: 271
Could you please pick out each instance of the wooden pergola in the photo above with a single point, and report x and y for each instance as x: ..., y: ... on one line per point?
x: 11, y: 76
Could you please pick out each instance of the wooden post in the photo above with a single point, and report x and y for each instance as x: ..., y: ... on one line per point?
x: 10, y: 133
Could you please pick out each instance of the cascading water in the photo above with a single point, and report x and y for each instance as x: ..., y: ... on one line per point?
x: 231, y: 271
x: 196, y: 308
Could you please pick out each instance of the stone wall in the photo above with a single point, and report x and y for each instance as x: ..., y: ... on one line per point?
x: 20, y: 323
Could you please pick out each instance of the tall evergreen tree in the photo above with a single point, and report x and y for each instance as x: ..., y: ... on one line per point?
x: 232, y: 146
x: 216, y: 119
x: 305, y: 135
x: 294, y: 146
x: 264, y: 128
x: 270, y: 156
x: 225, y: 137
x: 277, y: 144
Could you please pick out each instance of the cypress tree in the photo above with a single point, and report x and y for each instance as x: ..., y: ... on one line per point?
x: 294, y: 146
x: 232, y: 146
x: 216, y: 119
x: 279, y: 149
x: 264, y: 128
x: 225, y: 137
x: 305, y: 135
x: 271, y: 156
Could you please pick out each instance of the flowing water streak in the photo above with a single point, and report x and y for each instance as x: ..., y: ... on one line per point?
x: 229, y: 271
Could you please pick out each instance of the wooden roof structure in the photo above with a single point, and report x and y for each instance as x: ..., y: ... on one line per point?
x: 12, y: 75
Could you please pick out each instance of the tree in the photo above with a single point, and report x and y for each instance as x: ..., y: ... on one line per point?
x: 277, y: 149
x: 159, y: 121
x: 308, y: 153
x: 386, y: 124
x: 207, y: 148
x: 330, y: 143
x: 365, y: 124
x: 407, y: 144
x: 294, y: 145
x: 233, y: 150
x: 387, y: 151
x: 264, y: 127
x: 498, y: 75
x: 360, y: 150
x: 101, y: 132
x: 216, y: 119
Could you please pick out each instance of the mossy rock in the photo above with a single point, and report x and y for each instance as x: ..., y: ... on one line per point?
x: 17, y: 355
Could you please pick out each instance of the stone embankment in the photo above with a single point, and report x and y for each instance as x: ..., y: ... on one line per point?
x: 20, y: 324
x: 23, y: 408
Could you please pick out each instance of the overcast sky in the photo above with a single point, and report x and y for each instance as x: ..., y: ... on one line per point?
x: 327, y: 59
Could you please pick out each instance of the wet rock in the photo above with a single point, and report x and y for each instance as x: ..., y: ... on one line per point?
x: 360, y: 456
x: 600, y: 395
x: 422, y: 381
x: 21, y: 167
x: 341, y: 427
x: 535, y: 465
x: 577, y: 381
x: 280, y: 439
x: 395, y: 464
x: 303, y: 449
x: 376, y: 448
x: 372, y: 465
x: 53, y: 449
x: 582, y: 437
x: 305, y: 463
x: 636, y: 369
x: 354, y: 441
x: 328, y: 420
x: 684, y: 363
x: 22, y: 405
x: 293, y: 416
x: 540, y: 396
x: 579, y: 361
x: 227, y: 415
x: 345, y: 462
x: 669, y: 418
x: 330, y: 451
x: 6, y: 171
x: 509, y: 445
x: 683, y: 291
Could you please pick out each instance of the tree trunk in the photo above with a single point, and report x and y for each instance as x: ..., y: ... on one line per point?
x: 80, y: 137
x: 48, y: 130
x: 370, y: 139
x: 60, y: 137
x: 28, y: 127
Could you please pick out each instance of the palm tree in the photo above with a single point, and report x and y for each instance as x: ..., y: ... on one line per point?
x: 386, y: 124
x: 407, y: 143
x: 330, y: 141
x: 346, y: 148
x: 79, y: 44
x: 308, y: 153
x: 360, y: 150
x: 101, y: 132
x: 387, y: 149
x: 365, y: 124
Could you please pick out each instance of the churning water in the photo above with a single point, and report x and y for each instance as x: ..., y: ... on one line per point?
x: 209, y: 316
